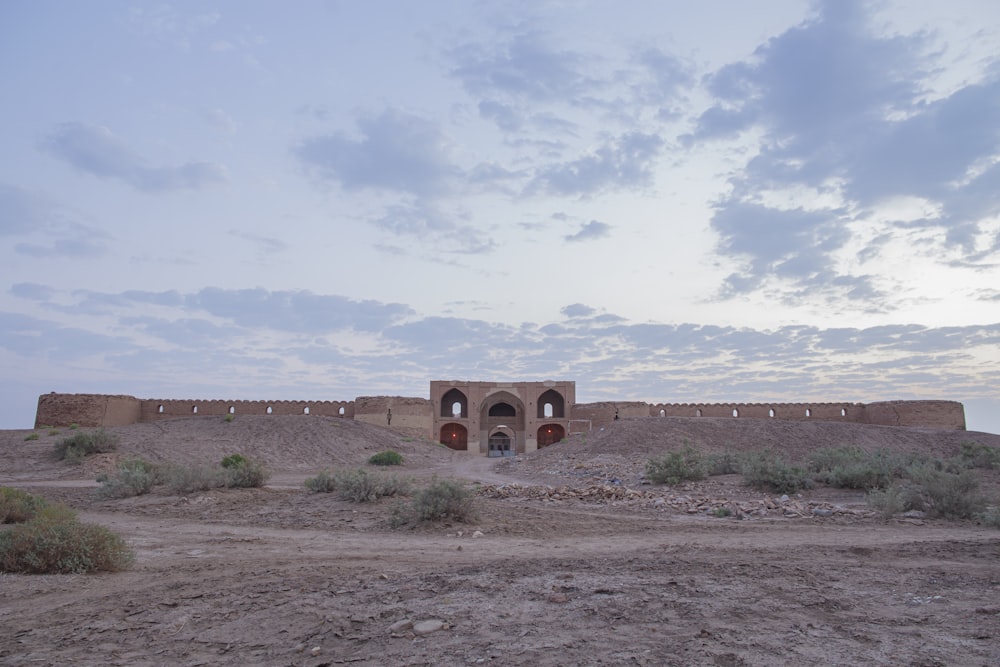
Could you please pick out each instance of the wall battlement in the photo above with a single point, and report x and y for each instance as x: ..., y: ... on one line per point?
x: 416, y: 416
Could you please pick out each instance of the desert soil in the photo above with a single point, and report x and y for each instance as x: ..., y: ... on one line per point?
x: 573, y: 559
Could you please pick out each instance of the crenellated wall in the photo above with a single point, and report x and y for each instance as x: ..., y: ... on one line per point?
x: 416, y: 416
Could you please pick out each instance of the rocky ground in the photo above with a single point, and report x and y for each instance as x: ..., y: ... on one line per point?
x: 573, y: 559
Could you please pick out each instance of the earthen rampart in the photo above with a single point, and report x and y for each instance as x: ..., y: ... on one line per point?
x: 416, y: 416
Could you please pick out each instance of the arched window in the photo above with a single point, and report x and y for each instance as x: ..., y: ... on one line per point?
x: 697, y: 413
x: 770, y: 413
x: 736, y: 413
x: 269, y: 410
x: 809, y: 412
x: 305, y: 410
x: 232, y: 409
x: 194, y: 409
x: 503, y: 410
x: 454, y: 404
x: 843, y: 412
x: 551, y: 405
x: 341, y: 411
x: 663, y: 413
x: 547, y: 410
x: 159, y: 409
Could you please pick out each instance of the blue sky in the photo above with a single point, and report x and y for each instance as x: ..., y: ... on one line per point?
x: 664, y: 201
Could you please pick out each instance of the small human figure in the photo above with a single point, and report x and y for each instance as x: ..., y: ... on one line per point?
x: 388, y: 417
x: 616, y: 414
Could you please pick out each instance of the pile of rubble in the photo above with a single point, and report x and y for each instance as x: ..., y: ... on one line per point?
x: 616, y: 495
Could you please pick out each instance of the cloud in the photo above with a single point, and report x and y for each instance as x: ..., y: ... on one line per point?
x: 591, y: 231
x: 577, y: 310
x: 396, y: 151
x: 95, y: 150
x: 524, y: 68
x: 56, y: 229
x: 426, y: 221
x: 842, y: 112
x: 626, y: 162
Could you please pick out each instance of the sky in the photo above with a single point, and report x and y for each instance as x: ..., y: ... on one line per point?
x: 664, y: 201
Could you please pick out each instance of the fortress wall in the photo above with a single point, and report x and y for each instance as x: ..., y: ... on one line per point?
x: 154, y: 409
x: 603, y: 413
x: 852, y: 412
x: 413, y: 416
x: 929, y: 414
x: 86, y: 410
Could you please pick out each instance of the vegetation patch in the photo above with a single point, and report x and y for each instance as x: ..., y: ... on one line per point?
x: 386, y: 458
x: 769, y: 471
x: 85, y: 443
x: 934, y: 488
x: 976, y: 455
x: 46, y: 538
x: 134, y: 477
x: 857, y: 468
x: 357, y: 486
x: 673, y: 468
x: 31, y: 436
x: 442, y: 499
x: 234, y: 461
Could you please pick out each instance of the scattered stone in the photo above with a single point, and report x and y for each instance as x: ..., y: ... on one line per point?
x: 819, y: 511
x: 557, y: 598
x: 400, y: 627
x: 316, y: 650
x: 429, y: 626
x: 478, y: 533
x: 913, y: 514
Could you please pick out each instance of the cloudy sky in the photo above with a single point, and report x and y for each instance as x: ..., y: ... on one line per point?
x: 662, y: 200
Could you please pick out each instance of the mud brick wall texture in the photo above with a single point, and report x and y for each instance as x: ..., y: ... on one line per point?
x: 415, y: 416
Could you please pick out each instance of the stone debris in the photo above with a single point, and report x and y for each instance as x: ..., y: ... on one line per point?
x: 429, y: 626
x: 615, y: 495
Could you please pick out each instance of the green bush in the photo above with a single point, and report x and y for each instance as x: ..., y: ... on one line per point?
x: 857, y: 468
x: 934, y: 489
x: 443, y: 499
x: 726, y: 463
x: 676, y: 467
x: 233, y: 460
x: 53, y: 431
x: 768, y: 471
x: 134, y: 477
x: 54, y: 542
x: 18, y: 506
x: 85, y: 443
x: 229, y: 417
x: 321, y: 483
x: 976, y: 455
x: 189, y: 479
x: 357, y: 486
x: 386, y: 458
x: 31, y: 436
x: 990, y: 517
x: 245, y: 475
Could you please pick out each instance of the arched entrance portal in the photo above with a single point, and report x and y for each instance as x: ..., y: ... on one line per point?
x: 549, y: 434
x: 455, y: 436
x: 501, y: 444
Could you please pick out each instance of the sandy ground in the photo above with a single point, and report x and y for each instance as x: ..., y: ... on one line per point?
x: 278, y: 576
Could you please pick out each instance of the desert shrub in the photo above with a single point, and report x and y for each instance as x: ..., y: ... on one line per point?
x: 726, y: 463
x: 85, y: 443
x: 676, y: 467
x: 976, y: 455
x: 31, y: 436
x: 229, y: 417
x: 53, y: 431
x: 990, y: 517
x: 321, y: 483
x: 188, y: 479
x: 54, y: 542
x: 73, y: 427
x: 857, y: 468
x: 134, y: 477
x: 769, y: 471
x: 942, y: 493
x: 386, y: 458
x: 889, y: 501
x: 245, y: 475
x: 233, y: 460
x: 442, y: 499
x: 18, y: 506
x: 358, y: 486
x: 722, y: 512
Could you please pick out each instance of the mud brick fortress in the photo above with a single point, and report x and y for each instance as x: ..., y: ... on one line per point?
x: 492, y: 418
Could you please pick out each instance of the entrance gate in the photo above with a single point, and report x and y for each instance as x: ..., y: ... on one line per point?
x: 500, y: 444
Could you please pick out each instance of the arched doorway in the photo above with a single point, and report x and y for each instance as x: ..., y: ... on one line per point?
x: 549, y: 434
x: 455, y: 436
x: 500, y: 444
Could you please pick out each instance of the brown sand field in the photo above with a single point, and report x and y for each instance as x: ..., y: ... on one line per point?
x: 573, y: 559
